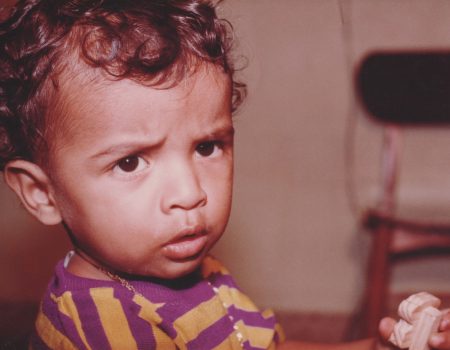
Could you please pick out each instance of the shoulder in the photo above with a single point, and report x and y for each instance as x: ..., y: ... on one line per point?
x: 259, y: 328
x: 211, y: 266
x: 78, y: 313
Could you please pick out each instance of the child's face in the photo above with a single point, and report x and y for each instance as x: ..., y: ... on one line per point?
x: 143, y: 176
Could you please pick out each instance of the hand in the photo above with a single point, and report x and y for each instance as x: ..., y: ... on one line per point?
x: 440, y: 340
x: 385, y: 328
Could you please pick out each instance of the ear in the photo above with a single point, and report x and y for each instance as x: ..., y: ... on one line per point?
x: 33, y: 187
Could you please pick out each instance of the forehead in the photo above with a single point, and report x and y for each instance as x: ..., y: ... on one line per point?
x: 91, y: 104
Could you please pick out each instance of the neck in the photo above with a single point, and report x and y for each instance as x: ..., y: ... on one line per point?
x: 83, y: 266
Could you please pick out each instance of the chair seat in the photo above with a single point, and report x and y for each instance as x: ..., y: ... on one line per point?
x: 409, y: 235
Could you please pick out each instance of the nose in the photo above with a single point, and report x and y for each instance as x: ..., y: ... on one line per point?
x: 183, y: 188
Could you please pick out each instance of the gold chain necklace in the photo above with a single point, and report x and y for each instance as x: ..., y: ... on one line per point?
x: 113, y: 276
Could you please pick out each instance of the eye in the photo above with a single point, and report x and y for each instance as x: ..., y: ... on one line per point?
x: 206, y: 149
x: 130, y: 164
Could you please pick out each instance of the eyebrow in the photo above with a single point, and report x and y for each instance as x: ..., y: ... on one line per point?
x: 224, y: 131
x: 125, y: 148
x: 144, y: 146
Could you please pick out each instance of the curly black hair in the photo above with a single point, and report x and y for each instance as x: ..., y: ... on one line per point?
x: 153, y: 42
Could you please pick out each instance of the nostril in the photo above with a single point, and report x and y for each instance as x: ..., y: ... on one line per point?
x: 190, y: 199
x: 182, y: 187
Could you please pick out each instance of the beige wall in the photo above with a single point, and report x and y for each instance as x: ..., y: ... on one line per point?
x: 293, y: 241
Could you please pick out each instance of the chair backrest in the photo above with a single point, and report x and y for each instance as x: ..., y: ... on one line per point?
x: 403, y: 89
x: 406, y: 87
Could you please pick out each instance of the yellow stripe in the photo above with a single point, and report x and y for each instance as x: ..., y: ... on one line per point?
x: 280, y: 331
x: 53, y: 338
x: 148, y: 309
x: 232, y: 296
x: 267, y: 313
x: 231, y: 343
x: 163, y: 341
x: 67, y: 306
x: 211, y: 265
x: 113, y: 319
x: 259, y: 337
x: 149, y: 314
x: 198, y: 319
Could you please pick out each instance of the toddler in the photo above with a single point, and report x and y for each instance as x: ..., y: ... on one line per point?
x: 116, y: 122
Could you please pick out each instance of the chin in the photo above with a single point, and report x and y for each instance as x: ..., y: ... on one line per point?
x: 167, y: 269
x: 181, y: 269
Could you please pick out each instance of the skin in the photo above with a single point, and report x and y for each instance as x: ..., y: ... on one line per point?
x: 143, y: 178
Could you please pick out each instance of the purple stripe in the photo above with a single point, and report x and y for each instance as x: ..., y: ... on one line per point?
x: 212, y: 336
x: 195, y: 294
x: 186, y: 301
x: 246, y: 346
x: 251, y: 318
x: 90, y: 320
x: 178, y: 302
x: 277, y: 337
x: 61, y: 322
x: 142, y: 331
x: 50, y: 309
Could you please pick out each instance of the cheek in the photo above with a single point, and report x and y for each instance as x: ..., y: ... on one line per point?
x: 220, y: 188
x: 68, y: 205
x: 83, y: 209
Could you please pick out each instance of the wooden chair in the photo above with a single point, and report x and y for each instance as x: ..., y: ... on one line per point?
x: 400, y: 90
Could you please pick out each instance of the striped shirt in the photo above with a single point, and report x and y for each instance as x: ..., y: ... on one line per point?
x: 207, y: 312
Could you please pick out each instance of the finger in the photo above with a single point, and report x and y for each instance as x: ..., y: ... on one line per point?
x: 386, y: 327
x: 440, y: 340
x: 445, y: 321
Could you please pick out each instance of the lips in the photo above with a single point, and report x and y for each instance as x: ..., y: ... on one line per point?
x: 187, y: 245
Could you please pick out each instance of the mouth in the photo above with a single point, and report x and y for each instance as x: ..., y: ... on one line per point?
x: 187, y: 245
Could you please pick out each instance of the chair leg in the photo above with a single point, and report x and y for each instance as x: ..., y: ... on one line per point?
x: 378, y: 276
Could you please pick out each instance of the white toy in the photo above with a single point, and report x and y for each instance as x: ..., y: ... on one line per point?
x: 420, y: 318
